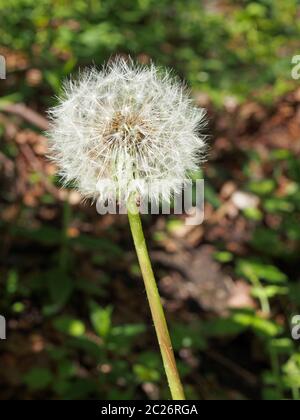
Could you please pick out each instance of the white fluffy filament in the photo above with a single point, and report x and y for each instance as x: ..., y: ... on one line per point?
x: 127, y: 125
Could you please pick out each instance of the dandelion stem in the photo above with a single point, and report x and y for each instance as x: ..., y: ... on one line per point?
x: 155, y: 303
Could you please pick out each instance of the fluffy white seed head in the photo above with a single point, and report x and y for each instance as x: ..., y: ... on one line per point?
x: 130, y: 126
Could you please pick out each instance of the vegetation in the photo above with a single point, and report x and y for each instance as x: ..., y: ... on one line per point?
x: 70, y: 284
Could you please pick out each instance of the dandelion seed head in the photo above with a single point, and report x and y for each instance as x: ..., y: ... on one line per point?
x: 132, y: 125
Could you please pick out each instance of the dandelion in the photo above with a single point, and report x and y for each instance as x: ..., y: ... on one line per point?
x: 133, y: 127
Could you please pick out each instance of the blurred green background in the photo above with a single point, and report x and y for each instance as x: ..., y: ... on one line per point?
x: 78, y: 323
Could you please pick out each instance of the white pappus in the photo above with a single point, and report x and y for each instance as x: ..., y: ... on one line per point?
x: 127, y: 125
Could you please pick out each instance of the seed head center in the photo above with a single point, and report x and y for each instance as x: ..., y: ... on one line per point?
x: 126, y: 128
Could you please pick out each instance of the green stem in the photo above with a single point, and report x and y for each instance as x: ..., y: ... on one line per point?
x: 276, y: 372
x: 157, y: 312
x: 263, y: 299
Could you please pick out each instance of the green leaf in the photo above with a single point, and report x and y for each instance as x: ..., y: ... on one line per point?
x: 174, y: 225
x: 91, y: 243
x: 292, y: 371
x: 94, y: 288
x: 101, y: 319
x: 223, y: 256
x: 211, y: 196
x: 263, y: 187
x: 259, y: 325
x: 188, y: 336
x: 294, y: 293
x: 97, y: 36
x: 282, y: 345
x: 66, y: 368
x: 38, y: 378
x: 146, y: 374
x: 275, y: 205
x: 269, y: 243
x: 150, y: 359
x: 271, y: 394
x: 80, y: 389
x: 269, y: 291
x: 10, y: 99
x: 54, y: 80
x: 45, y: 234
x: 68, y: 325
x: 281, y: 154
x: 85, y: 344
x: 60, y: 287
x: 253, y: 214
x: 129, y: 330
x: 224, y: 327
x: 267, y: 272
x: 12, y: 282
x: 123, y: 337
x: 294, y: 168
x: 18, y: 307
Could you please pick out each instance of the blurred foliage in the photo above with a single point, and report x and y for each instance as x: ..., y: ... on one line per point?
x: 236, y: 49
x: 242, y: 48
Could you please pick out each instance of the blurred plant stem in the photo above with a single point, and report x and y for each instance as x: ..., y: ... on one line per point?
x: 263, y: 299
x: 64, y: 250
x: 276, y: 372
x: 155, y: 303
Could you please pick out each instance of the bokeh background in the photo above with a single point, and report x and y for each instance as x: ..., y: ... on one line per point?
x: 70, y: 287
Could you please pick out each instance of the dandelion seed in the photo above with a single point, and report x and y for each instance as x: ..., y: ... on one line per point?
x: 126, y: 123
